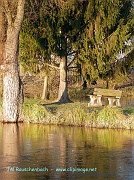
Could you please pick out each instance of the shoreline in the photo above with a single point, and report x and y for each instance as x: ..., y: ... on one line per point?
x: 77, y: 114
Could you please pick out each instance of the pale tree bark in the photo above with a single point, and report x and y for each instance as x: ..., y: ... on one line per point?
x: 63, y: 86
x: 12, y: 87
x: 45, y: 86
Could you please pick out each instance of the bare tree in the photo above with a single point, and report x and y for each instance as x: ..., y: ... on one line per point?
x: 11, y: 15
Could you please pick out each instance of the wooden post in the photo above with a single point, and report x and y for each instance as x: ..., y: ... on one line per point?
x: 92, y: 100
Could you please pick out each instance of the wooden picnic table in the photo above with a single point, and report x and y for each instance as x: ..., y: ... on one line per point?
x: 97, y: 99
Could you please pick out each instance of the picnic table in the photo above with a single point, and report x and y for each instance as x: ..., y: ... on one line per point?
x: 112, y: 96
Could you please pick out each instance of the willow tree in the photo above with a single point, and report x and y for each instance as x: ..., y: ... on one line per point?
x: 109, y: 27
x: 11, y: 14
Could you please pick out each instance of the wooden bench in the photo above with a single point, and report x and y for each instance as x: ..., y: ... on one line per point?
x: 112, y: 96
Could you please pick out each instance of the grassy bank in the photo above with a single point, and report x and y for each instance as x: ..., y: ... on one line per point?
x: 79, y: 114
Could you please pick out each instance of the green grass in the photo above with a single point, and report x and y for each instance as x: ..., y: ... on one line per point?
x: 77, y: 114
x: 31, y: 100
x: 35, y: 113
x: 129, y: 110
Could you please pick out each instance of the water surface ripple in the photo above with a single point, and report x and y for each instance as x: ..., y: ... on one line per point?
x: 65, y: 153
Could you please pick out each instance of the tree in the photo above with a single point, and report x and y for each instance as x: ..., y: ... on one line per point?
x: 63, y: 26
x: 56, y: 26
x: 34, y: 55
x: 34, y: 58
x: 11, y: 16
x: 109, y: 27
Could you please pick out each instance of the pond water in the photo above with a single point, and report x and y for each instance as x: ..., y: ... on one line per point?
x: 29, y: 151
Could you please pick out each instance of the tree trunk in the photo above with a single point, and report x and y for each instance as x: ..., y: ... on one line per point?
x: 45, y: 92
x: 63, y: 87
x: 12, y: 86
x: 12, y: 95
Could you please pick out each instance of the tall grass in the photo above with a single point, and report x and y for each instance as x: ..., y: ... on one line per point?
x: 110, y: 117
x: 35, y: 113
x: 73, y: 116
x: 77, y: 114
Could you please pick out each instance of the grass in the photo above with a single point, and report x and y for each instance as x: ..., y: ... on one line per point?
x: 79, y: 114
x: 111, y: 117
x: 128, y: 110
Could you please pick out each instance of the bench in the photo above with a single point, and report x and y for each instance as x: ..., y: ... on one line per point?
x: 112, y: 96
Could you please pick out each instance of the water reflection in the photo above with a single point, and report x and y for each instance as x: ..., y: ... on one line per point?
x: 106, y: 154
x: 10, y: 149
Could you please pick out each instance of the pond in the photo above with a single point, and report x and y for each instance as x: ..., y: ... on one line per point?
x: 29, y: 151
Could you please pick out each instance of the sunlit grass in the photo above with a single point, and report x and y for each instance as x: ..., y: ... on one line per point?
x: 129, y: 110
x: 79, y: 114
x: 31, y: 100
